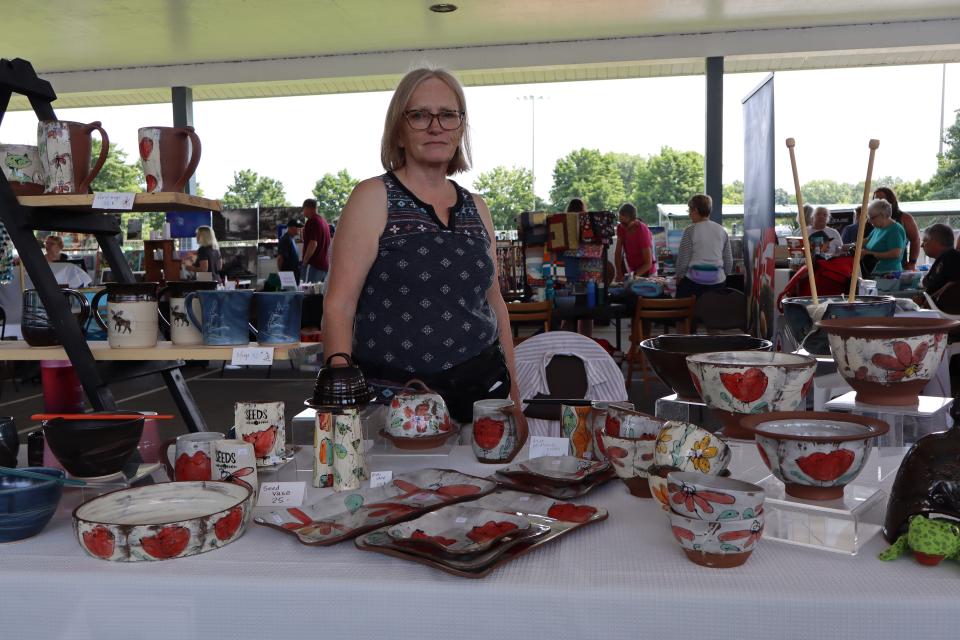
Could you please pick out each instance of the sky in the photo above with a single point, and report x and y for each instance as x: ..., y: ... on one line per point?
x: 832, y: 114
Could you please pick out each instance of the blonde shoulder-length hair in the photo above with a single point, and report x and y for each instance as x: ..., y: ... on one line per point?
x: 207, y: 238
x: 392, y: 155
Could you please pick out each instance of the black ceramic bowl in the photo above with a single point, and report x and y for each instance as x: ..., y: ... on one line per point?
x: 26, y: 505
x: 668, y: 356
x: 93, y: 447
x: 814, y: 339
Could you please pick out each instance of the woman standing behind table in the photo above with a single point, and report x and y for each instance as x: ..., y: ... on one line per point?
x: 705, y: 258
x: 208, y: 255
x: 413, y: 289
x: 887, y: 241
x: 909, y: 260
x: 634, y: 245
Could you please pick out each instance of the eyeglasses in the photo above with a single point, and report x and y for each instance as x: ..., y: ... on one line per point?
x: 420, y: 119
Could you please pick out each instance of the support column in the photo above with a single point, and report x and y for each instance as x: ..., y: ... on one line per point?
x: 182, y: 98
x: 713, y: 165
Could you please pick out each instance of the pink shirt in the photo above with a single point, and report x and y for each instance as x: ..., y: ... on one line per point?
x: 635, y: 240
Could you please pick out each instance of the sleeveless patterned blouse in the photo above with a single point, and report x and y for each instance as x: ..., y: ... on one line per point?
x: 423, y: 308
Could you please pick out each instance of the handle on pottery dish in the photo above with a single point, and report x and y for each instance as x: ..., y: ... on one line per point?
x: 165, y: 459
x: 345, y: 356
x: 84, y: 187
x: 84, y: 305
x: 188, y: 307
x: 194, y: 158
x: 412, y: 381
x: 95, y: 309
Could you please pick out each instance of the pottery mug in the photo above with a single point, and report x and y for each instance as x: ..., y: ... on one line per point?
x: 64, y: 149
x: 182, y: 331
x: 193, y: 455
x: 574, y: 421
x: 278, y: 316
x: 21, y: 166
x: 133, y: 312
x: 234, y: 461
x: 35, y: 325
x: 225, y: 314
x: 169, y: 156
x: 262, y: 424
x: 494, y: 437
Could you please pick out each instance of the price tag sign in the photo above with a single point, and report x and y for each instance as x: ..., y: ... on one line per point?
x: 230, y: 285
x: 113, y: 200
x: 543, y: 446
x: 252, y: 355
x: 287, y: 280
x: 281, y: 494
x: 380, y: 478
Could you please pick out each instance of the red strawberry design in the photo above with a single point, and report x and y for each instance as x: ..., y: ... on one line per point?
x: 99, y: 541
x: 262, y: 441
x: 612, y: 426
x: 616, y: 452
x: 146, y: 147
x: 487, y: 432
x: 227, y: 526
x: 169, y: 543
x: 420, y: 535
x: 763, y: 455
x: 491, y: 531
x: 826, y: 467
x: 568, y: 512
x: 745, y: 387
x: 151, y: 183
x: 195, y: 467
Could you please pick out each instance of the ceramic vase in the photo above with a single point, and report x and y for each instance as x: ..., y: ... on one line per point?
x: 323, y: 449
x: 234, y: 461
x: 494, y: 431
x: 262, y: 424
x: 349, y: 461
x: 169, y: 156
x: 64, y: 149
x: 574, y: 422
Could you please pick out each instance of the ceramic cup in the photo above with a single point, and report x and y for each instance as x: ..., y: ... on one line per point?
x: 9, y: 442
x: 718, y: 544
x: 494, y: 431
x: 597, y: 423
x: 687, y: 447
x: 262, y: 424
x: 20, y: 164
x: 193, y: 455
x: 64, y: 150
x: 234, y: 461
x: 182, y: 331
x: 631, y: 459
x: 574, y: 423
x: 225, y: 316
x: 278, y: 316
x: 323, y: 449
x: 35, y: 325
x: 133, y: 314
x: 712, y: 498
x: 169, y: 156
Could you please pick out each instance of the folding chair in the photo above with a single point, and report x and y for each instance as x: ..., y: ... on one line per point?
x: 528, y: 313
x: 680, y: 309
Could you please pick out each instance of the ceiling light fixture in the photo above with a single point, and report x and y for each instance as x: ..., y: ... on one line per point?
x: 443, y: 7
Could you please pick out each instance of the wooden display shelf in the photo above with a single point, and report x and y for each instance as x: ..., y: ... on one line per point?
x: 101, y: 350
x: 164, y: 201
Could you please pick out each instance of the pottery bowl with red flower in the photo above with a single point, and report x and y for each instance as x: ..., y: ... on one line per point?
x: 713, y: 498
x: 631, y: 459
x: 163, y: 521
x: 418, y: 413
x: 814, y: 453
x: 888, y: 361
x: 687, y: 447
x: 716, y: 543
x: 738, y: 383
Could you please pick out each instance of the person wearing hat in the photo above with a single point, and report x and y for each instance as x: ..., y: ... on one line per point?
x: 288, y: 257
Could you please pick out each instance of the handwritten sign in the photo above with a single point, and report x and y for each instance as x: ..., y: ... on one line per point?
x: 288, y: 280
x: 252, y: 356
x: 116, y: 201
x: 380, y: 478
x: 543, y: 446
x: 281, y: 494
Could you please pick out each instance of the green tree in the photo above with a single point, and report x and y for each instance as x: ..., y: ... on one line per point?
x: 332, y: 191
x: 818, y: 192
x: 249, y: 189
x: 117, y: 174
x: 507, y: 192
x: 780, y: 196
x: 630, y: 165
x: 668, y: 177
x: 733, y: 192
x: 945, y: 183
x: 590, y: 175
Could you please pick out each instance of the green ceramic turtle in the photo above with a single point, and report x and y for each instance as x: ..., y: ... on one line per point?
x: 930, y: 539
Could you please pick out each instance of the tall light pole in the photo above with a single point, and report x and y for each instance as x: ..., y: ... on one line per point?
x: 533, y: 146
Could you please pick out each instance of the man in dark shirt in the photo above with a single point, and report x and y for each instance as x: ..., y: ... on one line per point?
x: 316, y: 241
x: 288, y: 258
x: 938, y: 244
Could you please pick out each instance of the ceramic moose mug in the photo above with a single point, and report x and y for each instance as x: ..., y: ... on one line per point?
x: 64, y: 149
x: 182, y: 331
x: 169, y: 156
x: 21, y: 166
x: 133, y: 312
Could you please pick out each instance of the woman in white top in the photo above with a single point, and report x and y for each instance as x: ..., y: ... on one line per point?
x: 705, y: 258
x: 824, y: 240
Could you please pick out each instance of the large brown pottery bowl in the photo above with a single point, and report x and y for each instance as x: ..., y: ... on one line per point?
x: 737, y: 384
x: 888, y: 361
x: 814, y: 453
x: 797, y: 312
x: 92, y: 446
x: 668, y: 356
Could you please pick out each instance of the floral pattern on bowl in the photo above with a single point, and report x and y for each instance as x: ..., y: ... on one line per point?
x: 712, y: 498
x: 631, y: 459
x: 687, y: 447
x: 418, y: 414
x: 719, y: 544
x: 459, y: 529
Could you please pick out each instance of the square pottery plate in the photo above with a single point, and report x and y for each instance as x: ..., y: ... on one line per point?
x: 556, y: 470
x: 568, y: 492
x: 508, y: 502
x: 459, y: 529
x: 347, y: 514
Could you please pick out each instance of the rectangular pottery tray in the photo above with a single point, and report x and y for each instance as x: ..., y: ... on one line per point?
x: 508, y: 502
x: 560, y: 493
x: 347, y: 514
x: 555, y: 470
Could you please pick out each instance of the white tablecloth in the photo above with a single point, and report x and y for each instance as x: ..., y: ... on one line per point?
x: 623, y: 578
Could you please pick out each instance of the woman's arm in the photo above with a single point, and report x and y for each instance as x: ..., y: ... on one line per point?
x: 358, y: 238
x: 913, y: 235
x: 496, y: 302
x: 686, y: 250
x: 885, y: 255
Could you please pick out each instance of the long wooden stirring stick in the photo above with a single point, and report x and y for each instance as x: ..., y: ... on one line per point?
x: 791, y: 143
x: 855, y: 276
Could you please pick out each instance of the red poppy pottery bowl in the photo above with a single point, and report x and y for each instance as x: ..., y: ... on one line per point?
x: 888, y: 361
x: 719, y: 544
x: 814, y: 453
x: 712, y: 498
x: 739, y: 383
x: 631, y: 459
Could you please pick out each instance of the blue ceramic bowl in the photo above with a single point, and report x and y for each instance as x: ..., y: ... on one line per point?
x: 813, y: 339
x: 27, y: 505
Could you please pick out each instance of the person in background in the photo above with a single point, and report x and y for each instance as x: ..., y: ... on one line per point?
x: 288, y: 257
x: 704, y: 258
x: 887, y: 241
x: 208, y: 254
x: 824, y: 240
x: 938, y: 244
x: 316, y: 242
x: 53, y: 246
x: 634, y: 245
x: 849, y: 233
x: 904, y: 219
x: 576, y: 206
